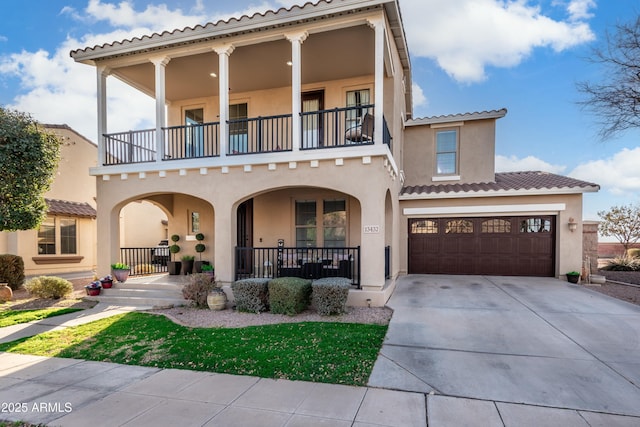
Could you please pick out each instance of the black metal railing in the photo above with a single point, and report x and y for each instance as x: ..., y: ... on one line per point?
x: 309, y: 263
x: 260, y: 135
x: 130, y: 147
x: 338, y: 127
x: 387, y: 262
x: 145, y: 260
x: 193, y: 141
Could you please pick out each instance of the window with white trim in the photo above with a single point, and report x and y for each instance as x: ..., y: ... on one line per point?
x: 447, y: 152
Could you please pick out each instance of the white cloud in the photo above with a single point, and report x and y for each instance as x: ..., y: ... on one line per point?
x: 467, y: 36
x: 529, y: 163
x: 618, y: 174
x: 419, y: 99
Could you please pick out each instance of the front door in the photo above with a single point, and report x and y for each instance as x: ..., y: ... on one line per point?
x: 312, y: 122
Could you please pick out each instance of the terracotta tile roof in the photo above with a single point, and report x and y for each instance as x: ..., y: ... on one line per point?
x: 461, y: 117
x: 63, y: 207
x: 258, y: 20
x: 508, y: 182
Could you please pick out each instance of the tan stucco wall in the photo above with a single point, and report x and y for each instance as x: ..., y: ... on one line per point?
x: 142, y: 225
x: 366, y: 183
x: 270, y: 102
x: 476, y: 162
x: 568, y: 244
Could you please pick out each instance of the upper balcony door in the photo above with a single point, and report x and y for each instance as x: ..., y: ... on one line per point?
x: 194, y: 132
x: 312, y: 124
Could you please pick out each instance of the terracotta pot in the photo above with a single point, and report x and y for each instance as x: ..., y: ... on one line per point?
x: 93, y: 291
x: 120, y: 275
x: 5, y: 293
x: 217, y: 300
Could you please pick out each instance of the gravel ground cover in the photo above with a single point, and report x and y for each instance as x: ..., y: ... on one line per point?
x: 623, y: 292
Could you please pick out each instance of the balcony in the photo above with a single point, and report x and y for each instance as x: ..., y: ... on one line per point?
x: 334, y: 128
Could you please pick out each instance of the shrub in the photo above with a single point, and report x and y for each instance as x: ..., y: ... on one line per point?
x: 633, y: 253
x: 12, y: 270
x: 623, y: 264
x: 49, y: 287
x: 198, y: 288
x: 251, y: 295
x: 289, y: 295
x: 120, y: 266
x: 329, y: 295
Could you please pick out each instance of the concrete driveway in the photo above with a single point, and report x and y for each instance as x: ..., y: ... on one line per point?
x: 536, y: 341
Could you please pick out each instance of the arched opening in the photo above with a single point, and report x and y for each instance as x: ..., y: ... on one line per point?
x: 309, y: 232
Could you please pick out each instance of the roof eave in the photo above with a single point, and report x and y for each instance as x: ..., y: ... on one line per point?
x: 499, y: 193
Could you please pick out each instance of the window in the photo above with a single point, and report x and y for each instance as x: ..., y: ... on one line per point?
x: 356, y: 98
x: 47, y: 237
x: 194, y: 132
x: 334, y: 223
x: 48, y: 240
x: 459, y: 226
x: 425, y: 226
x: 331, y: 232
x: 535, y: 225
x: 496, y: 225
x: 447, y: 152
x: 195, y: 222
x: 305, y: 224
x: 238, y: 128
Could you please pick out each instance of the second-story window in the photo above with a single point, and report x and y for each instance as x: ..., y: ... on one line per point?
x: 355, y: 100
x: 193, y: 119
x: 447, y: 152
x: 238, y: 128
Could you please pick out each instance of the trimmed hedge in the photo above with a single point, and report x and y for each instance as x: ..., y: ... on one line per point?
x: 12, y: 270
x: 289, y: 295
x: 49, y: 287
x: 251, y: 295
x: 329, y: 295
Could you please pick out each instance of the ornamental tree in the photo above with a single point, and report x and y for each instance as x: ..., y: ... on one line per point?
x: 29, y: 158
x: 621, y: 222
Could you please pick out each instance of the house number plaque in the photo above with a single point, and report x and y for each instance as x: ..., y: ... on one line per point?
x: 371, y: 229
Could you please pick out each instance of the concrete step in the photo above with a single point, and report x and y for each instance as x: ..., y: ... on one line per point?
x: 138, y: 301
x: 128, y: 292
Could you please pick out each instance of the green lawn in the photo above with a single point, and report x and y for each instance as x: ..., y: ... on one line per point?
x: 339, y: 353
x: 13, y: 317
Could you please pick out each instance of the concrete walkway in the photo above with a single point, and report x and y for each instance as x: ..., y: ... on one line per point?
x: 513, y: 351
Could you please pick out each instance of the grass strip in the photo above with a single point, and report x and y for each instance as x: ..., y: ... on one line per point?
x: 338, y: 353
x: 14, y: 317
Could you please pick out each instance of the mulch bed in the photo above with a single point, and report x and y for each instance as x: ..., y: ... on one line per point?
x: 23, y: 301
x: 623, y: 292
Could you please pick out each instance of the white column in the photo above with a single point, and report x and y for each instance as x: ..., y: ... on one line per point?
x: 161, y: 114
x: 296, y: 40
x: 102, y: 74
x: 223, y: 79
x: 378, y: 26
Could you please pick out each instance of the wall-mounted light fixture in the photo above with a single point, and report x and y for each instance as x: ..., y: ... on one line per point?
x: 573, y: 225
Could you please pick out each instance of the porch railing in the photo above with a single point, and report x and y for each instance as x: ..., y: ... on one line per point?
x: 338, y: 127
x: 145, y: 260
x: 309, y: 263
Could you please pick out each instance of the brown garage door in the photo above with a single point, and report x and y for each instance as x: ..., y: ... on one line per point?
x: 500, y: 246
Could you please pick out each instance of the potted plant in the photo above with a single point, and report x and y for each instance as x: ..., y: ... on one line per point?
x: 200, y: 247
x: 208, y: 270
x: 120, y: 271
x: 187, y: 264
x: 93, y: 288
x: 174, y: 266
x: 106, y: 282
x: 573, y: 276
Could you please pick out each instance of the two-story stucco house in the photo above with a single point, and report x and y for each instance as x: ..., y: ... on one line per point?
x: 287, y: 139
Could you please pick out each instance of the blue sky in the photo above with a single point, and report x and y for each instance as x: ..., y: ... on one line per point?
x: 467, y: 55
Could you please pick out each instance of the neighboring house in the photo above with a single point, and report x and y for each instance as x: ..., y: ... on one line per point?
x: 287, y: 139
x: 66, y: 240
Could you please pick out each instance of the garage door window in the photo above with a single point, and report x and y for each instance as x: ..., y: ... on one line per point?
x: 496, y: 225
x: 424, y: 227
x: 535, y: 225
x: 459, y: 226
